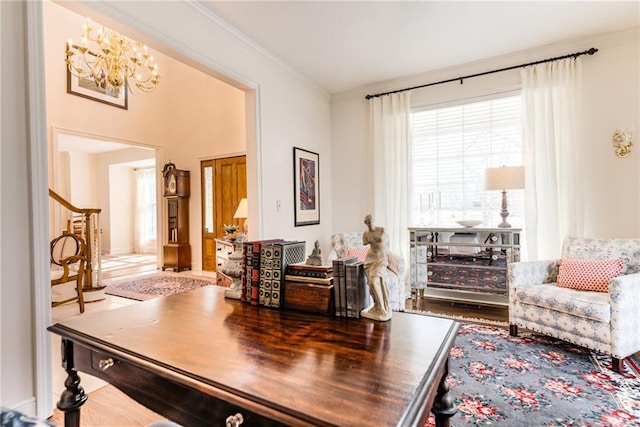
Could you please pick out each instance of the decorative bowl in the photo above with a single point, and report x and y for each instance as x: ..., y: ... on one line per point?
x: 469, y: 222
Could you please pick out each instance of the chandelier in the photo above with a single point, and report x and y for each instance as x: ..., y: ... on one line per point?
x: 111, y: 61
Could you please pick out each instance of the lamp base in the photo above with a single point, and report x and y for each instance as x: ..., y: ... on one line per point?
x: 504, y: 213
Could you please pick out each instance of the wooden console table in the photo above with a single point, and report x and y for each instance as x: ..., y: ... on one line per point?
x: 198, y: 358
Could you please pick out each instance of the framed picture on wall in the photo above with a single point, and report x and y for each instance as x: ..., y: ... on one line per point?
x: 87, y: 88
x: 306, y: 187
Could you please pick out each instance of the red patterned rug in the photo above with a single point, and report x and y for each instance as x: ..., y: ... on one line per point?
x: 156, y: 285
x: 534, y: 380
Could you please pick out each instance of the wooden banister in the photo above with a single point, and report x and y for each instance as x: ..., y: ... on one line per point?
x: 86, y: 213
x: 58, y: 198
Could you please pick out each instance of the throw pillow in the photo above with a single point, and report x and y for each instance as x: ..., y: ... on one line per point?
x: 588, y: 274
x: 360, y: 253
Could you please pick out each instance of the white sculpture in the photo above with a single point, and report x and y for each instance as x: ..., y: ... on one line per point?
x: 375, y: 264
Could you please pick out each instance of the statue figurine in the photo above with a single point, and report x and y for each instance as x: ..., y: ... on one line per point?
x: 233, y: 268
x: 316, y: 257
x: 375, y: 264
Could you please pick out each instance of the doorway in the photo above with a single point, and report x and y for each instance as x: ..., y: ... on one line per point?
x: 224, y: 184
x: 120, y: 179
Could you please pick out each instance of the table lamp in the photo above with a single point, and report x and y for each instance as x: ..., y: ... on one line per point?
x: 242, y: 212
x: 504, y: 178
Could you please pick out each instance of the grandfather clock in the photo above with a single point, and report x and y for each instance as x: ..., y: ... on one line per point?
x: 176, y: 251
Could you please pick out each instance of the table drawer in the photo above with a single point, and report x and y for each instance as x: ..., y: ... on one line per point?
x: 167, y: 395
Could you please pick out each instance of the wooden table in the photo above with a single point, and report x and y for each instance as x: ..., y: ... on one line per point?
x: 198, y: 358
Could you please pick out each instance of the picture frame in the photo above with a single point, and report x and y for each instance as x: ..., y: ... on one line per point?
x: 306, y: 187
x: 86, y: 88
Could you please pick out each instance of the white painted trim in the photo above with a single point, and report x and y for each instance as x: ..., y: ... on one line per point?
x: 27, y: 406
x: 217, y: 26
x: 57, y: 131
x: 38, y: 160
x: 254, y: 141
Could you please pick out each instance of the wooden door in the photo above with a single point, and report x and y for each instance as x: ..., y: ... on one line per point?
x: 224, y: 184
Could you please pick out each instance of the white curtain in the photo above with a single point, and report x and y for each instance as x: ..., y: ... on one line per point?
x: 554, y: 201
x: 390, y: 135
x: 145, y: 218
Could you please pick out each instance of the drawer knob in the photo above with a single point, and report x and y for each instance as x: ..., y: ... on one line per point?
x: 430, y: 273
x: 494, y: 257
x: 234, y: 420
x: 105, y: 364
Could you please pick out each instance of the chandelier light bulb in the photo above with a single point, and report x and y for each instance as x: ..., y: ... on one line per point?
x: 111, y: 61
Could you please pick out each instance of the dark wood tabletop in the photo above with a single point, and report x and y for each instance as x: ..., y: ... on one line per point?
x: 197, y: 356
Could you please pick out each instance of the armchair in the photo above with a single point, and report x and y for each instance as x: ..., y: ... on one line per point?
x: 604, y: 321
x: 68, y: 257
x: 341, y: 243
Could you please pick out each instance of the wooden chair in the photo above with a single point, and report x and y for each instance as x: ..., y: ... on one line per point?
x: 68, y: 257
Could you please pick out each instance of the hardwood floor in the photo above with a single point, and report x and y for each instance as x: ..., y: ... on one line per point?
x: 109, y: 407
x: 464, y: 310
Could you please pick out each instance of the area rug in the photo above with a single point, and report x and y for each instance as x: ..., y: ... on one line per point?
x: 533, y: 380
x: 156, y: 285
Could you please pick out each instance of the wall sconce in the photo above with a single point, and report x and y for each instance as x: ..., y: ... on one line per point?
x: 622, y: 141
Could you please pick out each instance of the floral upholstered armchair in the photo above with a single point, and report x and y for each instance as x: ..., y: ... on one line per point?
x: 350, y: 244
x: 591, y: 297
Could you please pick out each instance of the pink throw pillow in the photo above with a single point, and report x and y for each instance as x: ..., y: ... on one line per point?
x: 360, y: 253
x: 588, y: 274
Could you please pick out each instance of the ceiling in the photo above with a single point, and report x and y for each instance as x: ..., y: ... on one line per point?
x: 83, y: 144
x: 345, y: 45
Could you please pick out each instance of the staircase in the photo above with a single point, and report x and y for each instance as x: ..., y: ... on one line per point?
x: 85, y: 223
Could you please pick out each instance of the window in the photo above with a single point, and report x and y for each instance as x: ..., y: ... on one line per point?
x: 145, y: 220
x: 451, y: 148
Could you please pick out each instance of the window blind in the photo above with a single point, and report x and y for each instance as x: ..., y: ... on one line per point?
x: 451, y: 149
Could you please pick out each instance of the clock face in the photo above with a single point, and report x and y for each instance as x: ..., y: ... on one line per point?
x: 171, y: 185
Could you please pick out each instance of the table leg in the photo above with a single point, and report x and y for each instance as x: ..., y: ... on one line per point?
x: 443, y: 407
x: 73, y: 397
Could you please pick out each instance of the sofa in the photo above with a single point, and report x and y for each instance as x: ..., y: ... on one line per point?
x: 349, y: 243
x: 607, y: 320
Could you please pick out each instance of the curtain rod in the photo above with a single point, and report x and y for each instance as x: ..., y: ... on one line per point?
x: 591, y: 51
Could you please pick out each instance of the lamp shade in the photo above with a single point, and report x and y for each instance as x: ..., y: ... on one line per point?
x: 504, y: 178
x: 242, y: 210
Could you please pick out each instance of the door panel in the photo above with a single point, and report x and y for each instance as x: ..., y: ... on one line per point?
x: 224, y: 184
x: 208, y: 235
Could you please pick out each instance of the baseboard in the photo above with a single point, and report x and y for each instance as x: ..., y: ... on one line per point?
x: 27, y: 407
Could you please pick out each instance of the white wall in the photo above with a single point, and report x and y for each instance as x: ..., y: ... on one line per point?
x: 83, y: 180
x: 122, y: 208
x: 610, y: 99
x: 290, y: 112
x: 113, y: 196
x: 17, y: 357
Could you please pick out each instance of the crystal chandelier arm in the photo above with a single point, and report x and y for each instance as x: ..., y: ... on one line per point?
x: 115, y: 61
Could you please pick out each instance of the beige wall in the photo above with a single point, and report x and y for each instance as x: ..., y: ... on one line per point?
x: 191, y: 116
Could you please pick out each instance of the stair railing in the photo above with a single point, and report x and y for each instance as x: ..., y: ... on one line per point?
x: 88, y: 227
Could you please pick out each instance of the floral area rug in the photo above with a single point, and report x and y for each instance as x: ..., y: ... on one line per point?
x: 534, y: 380
x: 156, y: 285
